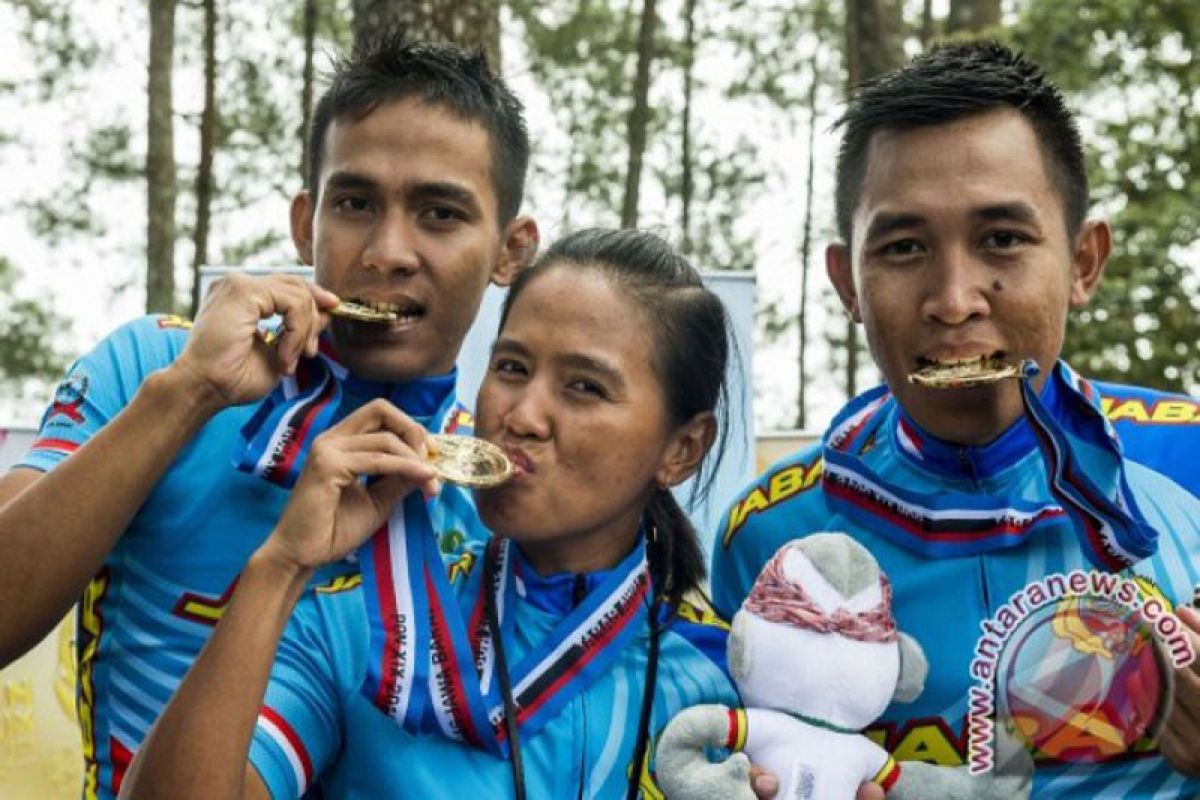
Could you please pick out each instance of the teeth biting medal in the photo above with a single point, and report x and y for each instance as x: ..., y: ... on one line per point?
x: 965, y: 374
x: 468, y: 461
x: 362, y: 313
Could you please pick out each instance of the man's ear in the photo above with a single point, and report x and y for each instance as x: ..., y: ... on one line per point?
x: 302, y: 225
x: 521, y: 238
x: 686, y: 449
x: 841, y: 275
x: 1093, y: 244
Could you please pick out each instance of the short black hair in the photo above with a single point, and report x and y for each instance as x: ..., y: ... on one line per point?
x: 692, y: 344
x: 950, y: 82
x: 391, y: 67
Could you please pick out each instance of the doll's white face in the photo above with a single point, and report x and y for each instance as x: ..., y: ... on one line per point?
x: 822, y: 675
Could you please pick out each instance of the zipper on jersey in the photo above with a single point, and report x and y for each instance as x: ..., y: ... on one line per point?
x: 983, y: 587
x: 968, y: 465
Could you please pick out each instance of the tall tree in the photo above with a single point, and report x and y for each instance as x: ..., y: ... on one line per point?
x: 639, y: 115
x: 874, y: 46
x: 471, y: 25
x: 806, y: 237
x: 1131, y: 69
x: 160, y: 160
x: 27, y: 331
x: 685, y: 138
x: 311, y: 14
x: 208, y: 137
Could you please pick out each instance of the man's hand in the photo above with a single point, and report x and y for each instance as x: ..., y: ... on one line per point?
x: 1180, y: 739
x: 226, y: 357
x: 766, y: 785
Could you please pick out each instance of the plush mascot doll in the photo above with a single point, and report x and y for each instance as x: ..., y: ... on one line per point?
x: 816, y: 657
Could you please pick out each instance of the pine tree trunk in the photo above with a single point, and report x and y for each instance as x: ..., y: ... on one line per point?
x: 926, y: 24
x: 806, y: 245
x: 685, y: 187
x: 160, y: 161
x: 474, y: 25
x: 972, y: 16
x: 306, y: 90
x: 208, y: 136
x: 874, y: 45
x: 639, y: 116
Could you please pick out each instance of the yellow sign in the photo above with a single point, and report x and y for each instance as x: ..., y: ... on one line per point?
x: 39, y: 739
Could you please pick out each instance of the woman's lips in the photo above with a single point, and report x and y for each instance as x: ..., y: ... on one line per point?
x: 522, y: 462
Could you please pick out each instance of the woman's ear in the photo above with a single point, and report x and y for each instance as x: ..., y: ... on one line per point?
x: 686, y: 449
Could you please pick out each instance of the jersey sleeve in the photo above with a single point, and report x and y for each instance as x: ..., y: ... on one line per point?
x: 100, y: 384
x: 298, y: 732
x: 778, y: 506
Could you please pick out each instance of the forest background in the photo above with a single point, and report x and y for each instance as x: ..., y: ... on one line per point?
x: 140, y: 139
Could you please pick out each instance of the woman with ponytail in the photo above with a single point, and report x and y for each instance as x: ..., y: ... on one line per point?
x: 540, y: 661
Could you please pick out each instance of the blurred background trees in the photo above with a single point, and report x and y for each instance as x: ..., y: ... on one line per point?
x: 707, y: 119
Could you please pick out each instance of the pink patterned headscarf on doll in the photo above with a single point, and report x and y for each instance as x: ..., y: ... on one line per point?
x: 777, y: 598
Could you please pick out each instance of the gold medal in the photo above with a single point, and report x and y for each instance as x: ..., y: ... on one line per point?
x: 468, y: 461
x: 360, y: 313
x: 965, y: 374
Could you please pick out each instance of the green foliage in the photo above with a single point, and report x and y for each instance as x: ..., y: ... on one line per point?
x: 62, y: 47
x: 582, y: 54
x: 1133, y: 69
x: 27, y: 329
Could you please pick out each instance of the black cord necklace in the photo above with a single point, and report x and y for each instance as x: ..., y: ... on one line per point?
x: 641, y: 744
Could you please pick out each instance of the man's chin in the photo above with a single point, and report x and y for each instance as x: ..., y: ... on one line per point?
x: 386, y: 367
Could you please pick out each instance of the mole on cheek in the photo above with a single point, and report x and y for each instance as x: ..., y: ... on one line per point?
x: 997, y: 286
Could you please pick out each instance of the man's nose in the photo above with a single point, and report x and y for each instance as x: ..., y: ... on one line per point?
x: 956, y: 289
x: 392, y: 247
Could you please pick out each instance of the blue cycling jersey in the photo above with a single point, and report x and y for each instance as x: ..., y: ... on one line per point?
x: 1158, y: 429
x: 943, y: 599
x: 149, y: 610
x: 317, y: 726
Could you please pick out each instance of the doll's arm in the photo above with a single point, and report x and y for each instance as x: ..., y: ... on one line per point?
x: 1010, y: 779
x: 682, y: 768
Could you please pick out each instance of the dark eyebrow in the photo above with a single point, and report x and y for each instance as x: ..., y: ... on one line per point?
x: 885, y: 223
x: 1008, y: 212
x: 343, y: 179
x: 446, y: 191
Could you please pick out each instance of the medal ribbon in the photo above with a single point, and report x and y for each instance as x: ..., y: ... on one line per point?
x: 948, y: 524
x: 1081, y: 450
x: 277, y: 438
x: 432, y: 670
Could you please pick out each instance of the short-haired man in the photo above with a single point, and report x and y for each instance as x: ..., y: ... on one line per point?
x: 961, y: 203
x: 130, y: 496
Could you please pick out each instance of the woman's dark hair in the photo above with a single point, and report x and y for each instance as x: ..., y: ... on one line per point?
x: 391, y: 67
x: 691, y: 352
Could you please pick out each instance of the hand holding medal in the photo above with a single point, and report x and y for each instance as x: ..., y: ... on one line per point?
x: 332, y: 509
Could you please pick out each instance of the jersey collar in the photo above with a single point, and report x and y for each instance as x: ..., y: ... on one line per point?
x: 969, y: 462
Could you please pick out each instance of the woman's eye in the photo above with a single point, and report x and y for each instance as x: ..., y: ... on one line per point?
x: 588, y: 387
x: 509, y: 366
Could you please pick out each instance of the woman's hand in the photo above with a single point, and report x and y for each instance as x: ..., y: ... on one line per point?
x: 331, y: 511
